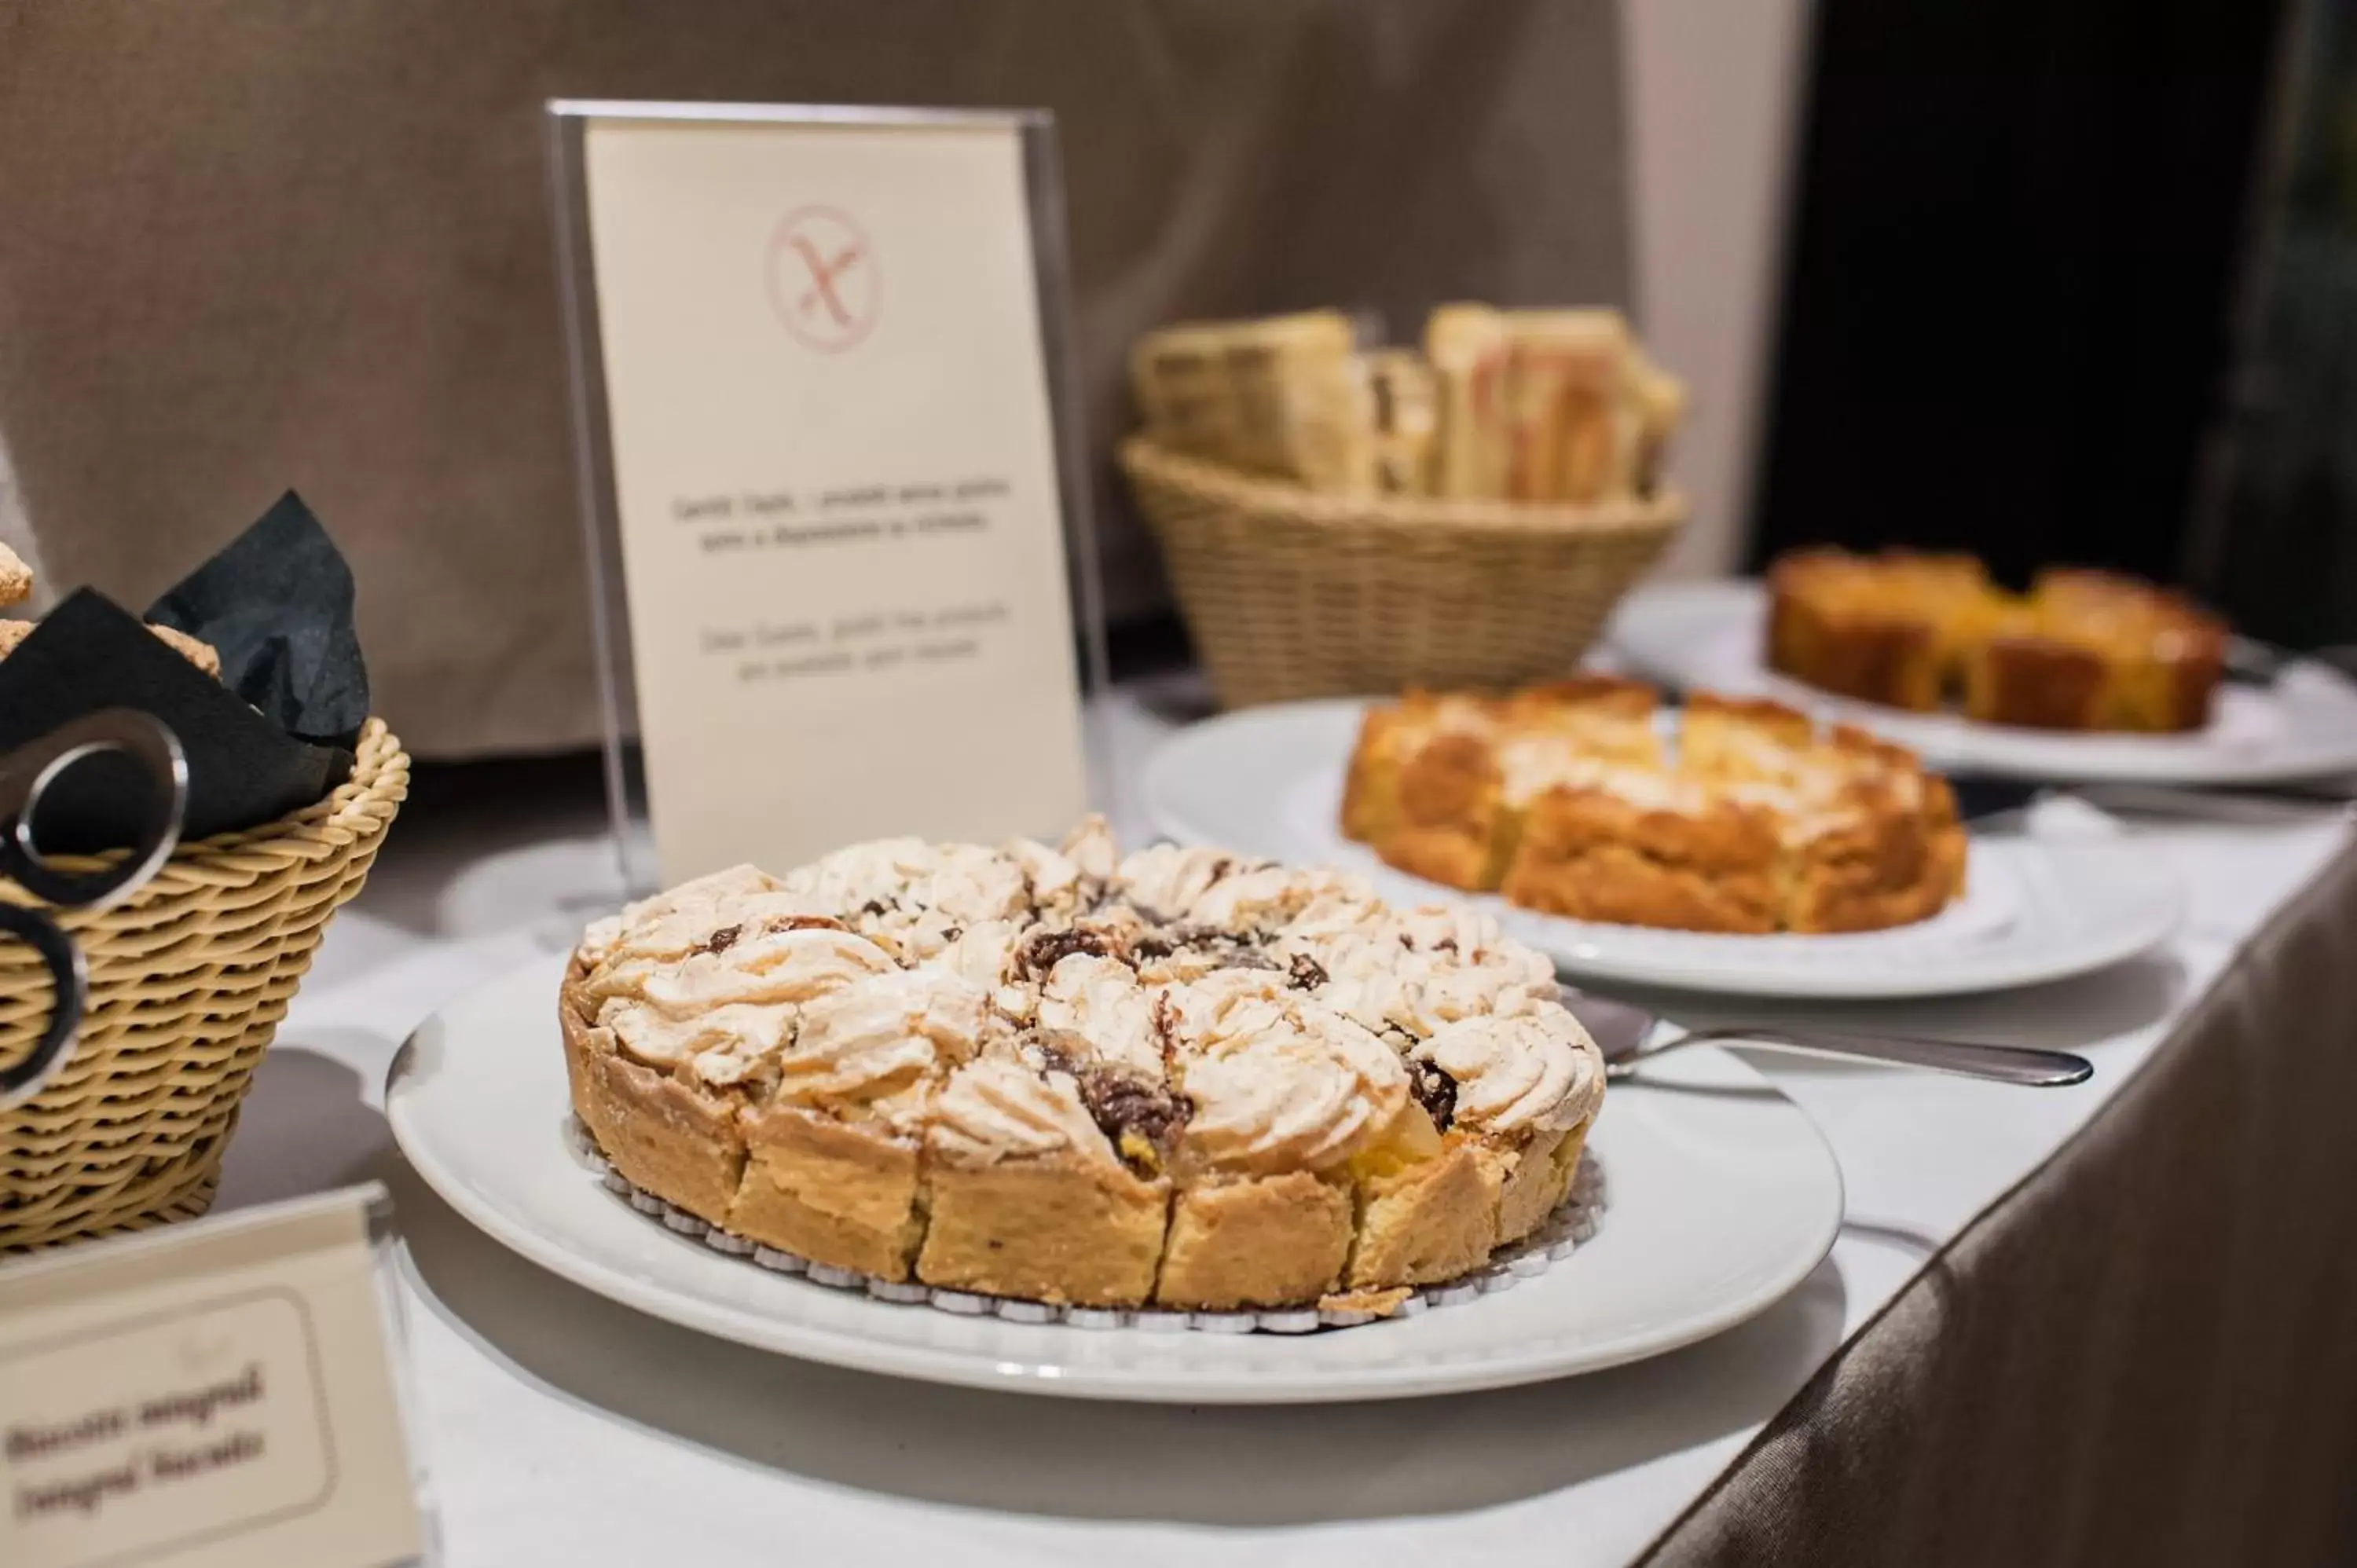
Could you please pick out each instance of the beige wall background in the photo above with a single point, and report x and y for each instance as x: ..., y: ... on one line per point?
x: 281, y: 244
x: 1713, y: 90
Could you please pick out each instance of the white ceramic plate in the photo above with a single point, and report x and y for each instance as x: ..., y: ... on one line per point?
x: 1268, y: 781
x: 1724, y: 1197
x: 1707, y: 636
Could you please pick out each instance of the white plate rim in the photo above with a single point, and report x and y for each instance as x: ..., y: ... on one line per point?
x: 1962, y: 745
x: 783, y: 1335
x: 2150, y: 920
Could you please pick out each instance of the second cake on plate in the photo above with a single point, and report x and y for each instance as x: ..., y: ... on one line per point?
x: 1567, y: 798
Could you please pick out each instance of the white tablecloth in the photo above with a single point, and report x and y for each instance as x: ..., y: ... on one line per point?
x: 561, y: 1428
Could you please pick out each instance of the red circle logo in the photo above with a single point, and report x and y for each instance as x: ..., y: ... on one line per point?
x: 823, y: 280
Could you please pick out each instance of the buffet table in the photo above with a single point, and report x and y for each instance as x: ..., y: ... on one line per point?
x: 2106, y: 1323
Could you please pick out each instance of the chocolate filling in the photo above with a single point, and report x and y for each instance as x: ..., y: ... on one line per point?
x: 1043, y: 951
x: 803, y: 923
x: 1231, y: 949
x: 1120, y: 1103
x: 1165, y: 1025
x: 1434, y: 1089
x: 1306, y: 974
x: 722, y: 939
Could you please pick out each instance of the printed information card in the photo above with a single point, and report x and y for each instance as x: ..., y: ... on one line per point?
x: 833, y: 477
x: 218, y: 1393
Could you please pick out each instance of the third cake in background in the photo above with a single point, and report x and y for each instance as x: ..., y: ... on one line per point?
x: 2080, y: 650
x: 1531, y: 405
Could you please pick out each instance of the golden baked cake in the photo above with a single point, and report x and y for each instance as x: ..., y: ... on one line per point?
x: 1181, y: 1077
x: 1566, y: 798
x: 2082, y: 650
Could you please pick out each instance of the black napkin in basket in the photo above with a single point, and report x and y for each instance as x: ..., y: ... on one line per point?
x: 278, y: 603
x: 272, y: 735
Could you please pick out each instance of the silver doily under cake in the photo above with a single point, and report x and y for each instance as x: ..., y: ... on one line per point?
x: 1573, y: 1223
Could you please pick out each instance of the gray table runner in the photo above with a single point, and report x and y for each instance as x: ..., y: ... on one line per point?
x: 2145, y: 1353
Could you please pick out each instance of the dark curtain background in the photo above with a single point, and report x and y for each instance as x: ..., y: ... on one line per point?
x: 2007, y: 300
x: 2275, y: 539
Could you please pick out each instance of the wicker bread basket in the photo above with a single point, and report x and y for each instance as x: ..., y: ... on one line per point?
x: 1291, y: 593
x: 188, y: 982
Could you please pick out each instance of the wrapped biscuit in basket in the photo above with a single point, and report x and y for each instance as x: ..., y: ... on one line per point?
x: 1406, y: 418
x: 1466, y: 347
x: 1571, y: 431
x: 1305, y: 409
x: 1288, y: 396
x: 1180, y: 379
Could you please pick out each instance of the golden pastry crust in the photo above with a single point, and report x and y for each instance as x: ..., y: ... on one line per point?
x: 15, y: 578
x: 846, y: 1196
x: 677, y: 1142
x: 1256, y: 1242
x: 1433, y: 1220
x: 1744, y: 738
x: 1370, y: 792
x: 1592, y: 856
x: 1534, y: 1180
x: 1381, y: 1302
x: 1389, y: 738
x: 1059, y: 1229
x: 2082, y: 650
x: 1453, y: 824
x: 1565, y: 800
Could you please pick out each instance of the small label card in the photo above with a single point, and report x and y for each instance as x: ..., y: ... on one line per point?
x: 215, y: 1393
x: 814, y: 386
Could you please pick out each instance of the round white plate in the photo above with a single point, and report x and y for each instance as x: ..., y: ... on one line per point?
x: 1268, y: 781
x: 1724, y: 1197
x: 1707, y: 636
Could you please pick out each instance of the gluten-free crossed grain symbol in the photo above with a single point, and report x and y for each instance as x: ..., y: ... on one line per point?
x: 822, y: 278
x: 822, y: 274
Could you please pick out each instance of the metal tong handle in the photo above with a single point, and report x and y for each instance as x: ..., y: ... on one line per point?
x: 26, y: 778
x: 27, y: 775
x: 2005, y: 1064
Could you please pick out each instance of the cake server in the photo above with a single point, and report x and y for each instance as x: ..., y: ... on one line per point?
x: 1627, y: 1033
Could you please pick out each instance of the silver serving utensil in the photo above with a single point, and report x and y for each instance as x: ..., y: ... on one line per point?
x: 1624, y: 1033
x: 26, y: 775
